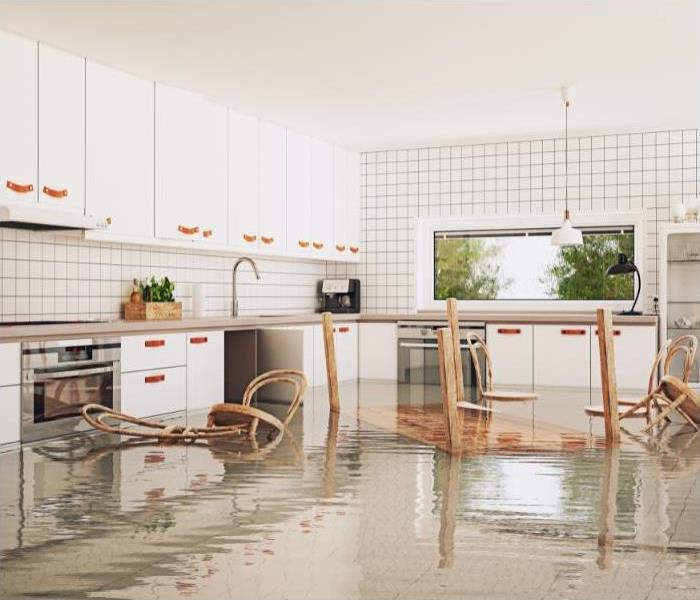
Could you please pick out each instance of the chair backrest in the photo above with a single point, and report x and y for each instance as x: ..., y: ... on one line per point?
x: 686, y: 345
x: 295, y: 378
x: 476, y: 343
x: 654, y: 375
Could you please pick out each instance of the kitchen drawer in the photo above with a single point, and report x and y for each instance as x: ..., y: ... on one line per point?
x: 510, y: 345
x: 635, y: 349
x: 154, y: 392
x: 10, y: 424
x: 10, y: 364
x: 562, y: 355
x: 156, y: 351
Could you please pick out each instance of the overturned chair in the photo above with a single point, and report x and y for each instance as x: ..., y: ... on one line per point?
x: 223, y: 420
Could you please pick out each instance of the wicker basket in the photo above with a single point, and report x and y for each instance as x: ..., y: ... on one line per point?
x: 153, y: 311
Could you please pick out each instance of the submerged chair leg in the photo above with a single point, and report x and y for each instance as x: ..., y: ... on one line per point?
x: 607, y: 376
x: 331, y: 368
x: 448, y: 390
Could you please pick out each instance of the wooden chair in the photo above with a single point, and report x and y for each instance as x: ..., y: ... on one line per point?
x: 675, y: 395
x: 475, y: 344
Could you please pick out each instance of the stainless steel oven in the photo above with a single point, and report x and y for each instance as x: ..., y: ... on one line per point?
x: 418, y: 355
x: 59, y: 377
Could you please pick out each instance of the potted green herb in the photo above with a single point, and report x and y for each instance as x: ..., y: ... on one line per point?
x: 158, y: 301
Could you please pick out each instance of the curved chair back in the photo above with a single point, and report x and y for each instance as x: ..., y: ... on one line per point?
x: 295, y: 378
x: 686, y: 345
x: 654, y: 375
x: 476, y: 343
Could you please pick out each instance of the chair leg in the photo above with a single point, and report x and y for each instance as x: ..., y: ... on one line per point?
x: 688, y: 419
x: 664, y: 413
x: 633, y: 409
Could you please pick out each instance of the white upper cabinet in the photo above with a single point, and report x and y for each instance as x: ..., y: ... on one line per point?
x: 119, y: 150
x: 341, y: 200
x: 353, y: 195
x: 298, y: 194
x: 321, y: 199
x: 191, y: 165
x: 273, y: 186
x: 243, y: 201
x: 18, y: 119
x: 61, y: 129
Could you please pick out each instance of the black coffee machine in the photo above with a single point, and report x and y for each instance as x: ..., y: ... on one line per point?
x: 340, y: 295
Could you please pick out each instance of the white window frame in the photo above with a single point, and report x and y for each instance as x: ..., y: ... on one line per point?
x: 424, y: 245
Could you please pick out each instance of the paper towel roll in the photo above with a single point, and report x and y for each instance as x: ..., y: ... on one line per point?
x: 199, y: 301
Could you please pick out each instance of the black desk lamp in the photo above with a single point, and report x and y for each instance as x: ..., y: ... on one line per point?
x: 622, y: 267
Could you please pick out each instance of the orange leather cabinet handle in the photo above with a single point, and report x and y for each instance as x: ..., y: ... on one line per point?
x: 154, y: 378
x: 154, y: 343
x: 318, y: 245
x: 267, y: 240
x: 249, y: 238
x: 55, y: 193
x: 303, y: 244
x: 207, y: 233
x: 19, y: 188
x: 343, y: 329
x: 187, y: 230
x: 199, y: 340
x: 616, y: 332
x: 340, y: 248
x: 354, y: 249
x: 506, y: 331
x: 573, y: 332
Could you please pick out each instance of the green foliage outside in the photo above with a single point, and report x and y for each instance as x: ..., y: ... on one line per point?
x: 157, y: 290
x: 467, y: 269
x: 579, y: 271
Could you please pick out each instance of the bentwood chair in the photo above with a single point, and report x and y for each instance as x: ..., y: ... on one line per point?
x: 477, y: 344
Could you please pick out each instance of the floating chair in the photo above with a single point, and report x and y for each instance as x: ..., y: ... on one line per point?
x: 675, y: 395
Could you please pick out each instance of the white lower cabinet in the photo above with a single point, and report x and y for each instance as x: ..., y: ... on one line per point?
x: 562, y: 355
x: 511, y: 350
x: 635, y: 349
x: 345, y: 338
x: 10, y: 367
x: 10, y: 424
x: 377, y: 351
x: 205, y: 369
x: 154, y: 392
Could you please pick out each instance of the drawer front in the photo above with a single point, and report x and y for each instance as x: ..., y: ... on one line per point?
x: 10, y: 424
x: 154, y: 392
x: 205, y: 369
x: 562, y: 355
x: 635, y: 349
x: 156, y: 351
x: 10, y: 370
x: 510, y: 345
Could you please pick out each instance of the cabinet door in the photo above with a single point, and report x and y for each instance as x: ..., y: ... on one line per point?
x: 510, y: 345
x: 377, y: 351
x: 243, y: 200
x: 18, y: 119
x: 156, y: 392
x: 10, y: 424
x: 273, y: 186
x: 562, y: 355
x: 210, y: 194
x: 205, y: 369
x: 353, y: 199
x: 341, y: 213
x: 298, y: 194
x: 61, y: 130
x: 322, y: 199
x: 10, y: 368
x: 119, y: 150
x: 346, y: 351
x: 635, y: 349
x: 177, y: 200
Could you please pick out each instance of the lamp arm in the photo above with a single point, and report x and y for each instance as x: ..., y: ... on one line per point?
x: 639, y: 287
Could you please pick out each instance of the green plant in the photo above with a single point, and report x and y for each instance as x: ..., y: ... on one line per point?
x: 155, y: 290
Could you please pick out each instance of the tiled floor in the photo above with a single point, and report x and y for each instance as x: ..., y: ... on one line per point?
x: 348, y: 508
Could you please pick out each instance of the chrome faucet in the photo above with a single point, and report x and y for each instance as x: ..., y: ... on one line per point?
x: 251, y: 262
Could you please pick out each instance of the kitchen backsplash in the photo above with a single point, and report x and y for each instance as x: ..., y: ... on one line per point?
x: 617, y: 172
x: 48, y: 276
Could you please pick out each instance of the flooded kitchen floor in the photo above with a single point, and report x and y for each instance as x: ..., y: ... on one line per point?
x: 364, y: 505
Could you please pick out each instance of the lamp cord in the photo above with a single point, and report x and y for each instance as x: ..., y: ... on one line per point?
x: 566, y: 155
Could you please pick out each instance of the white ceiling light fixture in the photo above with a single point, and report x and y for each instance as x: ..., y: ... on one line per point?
x: 566, y: 235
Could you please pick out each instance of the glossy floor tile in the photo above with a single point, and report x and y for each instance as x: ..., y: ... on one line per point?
x: 346, y: 507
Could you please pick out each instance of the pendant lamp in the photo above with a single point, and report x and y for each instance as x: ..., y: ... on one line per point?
x: 566, y: 235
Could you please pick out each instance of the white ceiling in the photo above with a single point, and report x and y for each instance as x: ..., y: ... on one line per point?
x: 375, y: 74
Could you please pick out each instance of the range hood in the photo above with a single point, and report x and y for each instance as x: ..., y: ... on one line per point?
x: 40, y: 218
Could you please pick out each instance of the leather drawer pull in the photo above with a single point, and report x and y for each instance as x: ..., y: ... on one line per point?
x: 318, y: 245
x: 187, y: 230
x: 354, y: 249
x: 506, y: 331
x: 303, y: 244
x: 267, y: 240
x: 153, y: 378
x: 199, y: 340
x: 616, y: 332
x: 154, y: 343
x: 340, y: 247
x: 343, y: 329
x: 207, y: 233
x: 19, y: 188
x: 55, y: 193
x: 249, y: 238
x: 573, y: 332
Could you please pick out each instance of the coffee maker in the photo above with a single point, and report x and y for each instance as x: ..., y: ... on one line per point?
x: 340, y: 295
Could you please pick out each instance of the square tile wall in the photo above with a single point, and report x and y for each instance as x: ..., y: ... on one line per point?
x: 615, y: 172
x: 52, y: 276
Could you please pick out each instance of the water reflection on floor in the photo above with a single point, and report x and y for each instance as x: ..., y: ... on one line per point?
x: 348, y: 508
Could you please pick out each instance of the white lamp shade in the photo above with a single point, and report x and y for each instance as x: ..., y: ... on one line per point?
x: 566, y: 235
